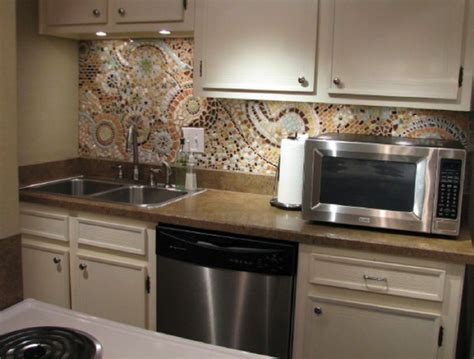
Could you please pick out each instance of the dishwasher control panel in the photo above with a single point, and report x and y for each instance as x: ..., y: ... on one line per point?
x: 227, y: 252
x: 268, y: 262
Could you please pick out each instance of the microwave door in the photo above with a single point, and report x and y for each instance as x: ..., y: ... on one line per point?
x: 373, y: 185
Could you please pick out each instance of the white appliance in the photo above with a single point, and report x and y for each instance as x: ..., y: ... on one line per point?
x: 117, y: 340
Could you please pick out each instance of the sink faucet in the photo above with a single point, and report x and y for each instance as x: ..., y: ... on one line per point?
x: 132, y: 138
x: 166, y: 165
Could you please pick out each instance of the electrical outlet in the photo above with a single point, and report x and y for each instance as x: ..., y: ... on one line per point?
x: 195, y: 135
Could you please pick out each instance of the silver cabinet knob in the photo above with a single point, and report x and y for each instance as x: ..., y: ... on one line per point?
x: 96, y: 12
x: 121, y: 11
x: 302, y: 80
x: 318, y: 310
x: 336, y: 81
x: 82, y: 266
x: 56, y: 260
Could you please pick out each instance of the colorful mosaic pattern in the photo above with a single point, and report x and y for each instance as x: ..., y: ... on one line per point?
x: 149, y: 83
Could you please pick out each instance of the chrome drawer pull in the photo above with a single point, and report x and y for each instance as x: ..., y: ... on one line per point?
x: 378, y: 279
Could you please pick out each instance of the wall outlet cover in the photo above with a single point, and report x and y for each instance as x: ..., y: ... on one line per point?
x: 195, y: 135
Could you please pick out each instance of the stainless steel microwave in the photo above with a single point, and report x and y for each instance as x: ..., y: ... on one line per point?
x: 386, y: 182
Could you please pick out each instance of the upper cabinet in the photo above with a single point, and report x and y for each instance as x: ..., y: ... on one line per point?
x: 73, y: 12
x: 143, y: 11
x: 395, y: 53
x: 400, y: 48
x: 400, y: 53
x: 256, y: 49
x: 118, y: 18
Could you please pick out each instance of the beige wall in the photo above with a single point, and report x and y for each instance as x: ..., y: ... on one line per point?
x: 8, y: 122
x: 47, y: 91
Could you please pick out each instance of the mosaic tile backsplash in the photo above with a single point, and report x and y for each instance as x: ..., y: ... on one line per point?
x: 149, y: 83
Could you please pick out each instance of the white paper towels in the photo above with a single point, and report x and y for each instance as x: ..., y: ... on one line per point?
x: 290, y: 185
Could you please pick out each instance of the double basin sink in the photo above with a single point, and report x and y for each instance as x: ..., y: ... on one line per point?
x: 109, y: 191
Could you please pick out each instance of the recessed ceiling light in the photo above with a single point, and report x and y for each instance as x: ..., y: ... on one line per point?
x: 101, y: 33
x: 165, y: 32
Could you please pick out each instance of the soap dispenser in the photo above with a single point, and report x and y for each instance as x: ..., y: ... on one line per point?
x: 181, y: 164
x: 191, y: 180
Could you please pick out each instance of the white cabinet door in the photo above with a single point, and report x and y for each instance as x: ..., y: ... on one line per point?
x: 256, y: 45
x: 344, y: 329
x: 75, y: 12
x: 110, y: 289
x: 142, y: 11
x: 402, y: 48
x: 46, y: 275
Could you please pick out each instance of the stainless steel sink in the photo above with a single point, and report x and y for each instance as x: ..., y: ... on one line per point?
x: 143, y: 196
x: 103, y: 190
x: 75, y: 187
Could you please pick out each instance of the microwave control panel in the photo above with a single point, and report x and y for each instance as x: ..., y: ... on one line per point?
x: 448, y: 190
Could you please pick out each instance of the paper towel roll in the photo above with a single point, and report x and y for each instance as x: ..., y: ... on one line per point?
x: 290, y: 185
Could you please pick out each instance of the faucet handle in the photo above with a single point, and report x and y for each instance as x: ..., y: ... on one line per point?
x: 153, y: 172
x: 120, y: 171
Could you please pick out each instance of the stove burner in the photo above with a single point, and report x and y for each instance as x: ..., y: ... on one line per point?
x: 36, y: 351
x: 49, y: 343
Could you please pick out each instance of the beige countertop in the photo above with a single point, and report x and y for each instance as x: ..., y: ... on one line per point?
x: 251, y: 214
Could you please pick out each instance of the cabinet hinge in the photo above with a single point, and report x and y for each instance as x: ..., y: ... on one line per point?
x: 185, y: 4
x: 200, y: 68
x: 440, y: 336
x: 147, y: 284
x: 461, y: 76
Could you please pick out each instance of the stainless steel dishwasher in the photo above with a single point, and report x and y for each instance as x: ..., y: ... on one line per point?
x: 227, y: 290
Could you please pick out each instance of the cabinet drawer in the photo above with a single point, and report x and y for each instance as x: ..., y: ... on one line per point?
x: 378, y: 277
x: 123, y: 238
x: 44, y: 224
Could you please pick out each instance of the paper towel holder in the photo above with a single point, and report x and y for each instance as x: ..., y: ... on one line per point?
x: 289, y: 207
x: 274, y: 201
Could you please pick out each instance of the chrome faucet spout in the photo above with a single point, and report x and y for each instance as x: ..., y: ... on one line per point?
x: 132, y: 139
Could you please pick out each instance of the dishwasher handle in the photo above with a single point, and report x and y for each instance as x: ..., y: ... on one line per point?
x: 216, y: 247
x: 210, y: 245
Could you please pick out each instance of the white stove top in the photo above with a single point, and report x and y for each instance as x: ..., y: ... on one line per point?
x: 118, y: 340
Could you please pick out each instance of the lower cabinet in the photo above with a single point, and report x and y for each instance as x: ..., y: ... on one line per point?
x: 46, y: 274
x: 111, y: 289
x: 349, y: 304
x: 360, y: 305
x: 348, y: 329
x: 98, y: 265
